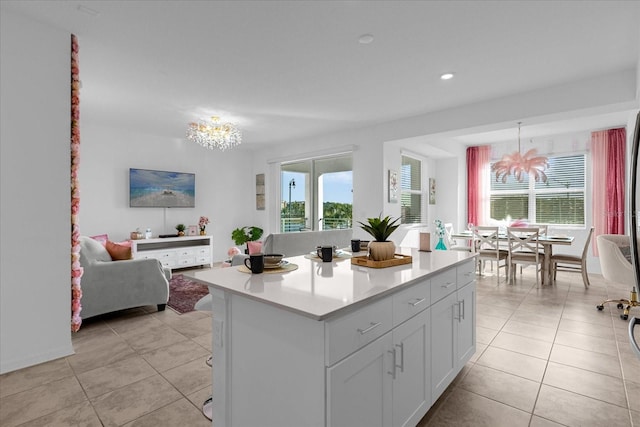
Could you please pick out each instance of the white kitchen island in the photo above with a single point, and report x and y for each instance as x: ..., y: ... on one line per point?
x: 335, y: 344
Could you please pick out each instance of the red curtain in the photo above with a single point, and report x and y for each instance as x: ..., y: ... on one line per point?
x: 477, y: 184
x: 608, y: 148
x: 615, y: 180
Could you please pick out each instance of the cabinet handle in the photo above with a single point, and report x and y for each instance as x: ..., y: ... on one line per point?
x: 448, y: 285
x: 462, y: 310
x: 419, y: 301
x: 393, y: 372
x: 370, y: 328
x: 401, y: 347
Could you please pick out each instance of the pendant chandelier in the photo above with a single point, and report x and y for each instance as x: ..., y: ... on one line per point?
x: 519, y: 165
x: 214, y: 134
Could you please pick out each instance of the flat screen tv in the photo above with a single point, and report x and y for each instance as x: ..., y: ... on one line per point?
x: 161, y: 189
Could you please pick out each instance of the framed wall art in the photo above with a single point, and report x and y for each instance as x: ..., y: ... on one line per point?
x: 260, y: 191
x: 393, y: 186
x: 432, y: 191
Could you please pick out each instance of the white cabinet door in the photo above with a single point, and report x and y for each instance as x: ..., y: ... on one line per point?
x: 444, y: 336
x: 412, y: 383
x: 360, y: 389
x: 466, y: 323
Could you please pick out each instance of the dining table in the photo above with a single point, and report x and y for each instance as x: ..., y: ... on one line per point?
x: 546, y: 240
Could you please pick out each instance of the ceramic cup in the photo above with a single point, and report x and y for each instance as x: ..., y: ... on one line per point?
x: 355, y: 245
x: 326, y: 253
x: 255, y: 263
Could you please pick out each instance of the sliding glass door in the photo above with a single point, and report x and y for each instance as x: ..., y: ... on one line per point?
x: 317, y: 194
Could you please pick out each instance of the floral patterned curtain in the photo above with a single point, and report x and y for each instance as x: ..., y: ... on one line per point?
x: 76, y: 269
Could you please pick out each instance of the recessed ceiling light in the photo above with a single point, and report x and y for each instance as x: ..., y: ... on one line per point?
x: 446, y: 76
x: 365, y: 39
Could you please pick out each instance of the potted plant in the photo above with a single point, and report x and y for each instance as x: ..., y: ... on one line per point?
x: 380, y: 229
x: 246, y: 234
x: 180, y: 228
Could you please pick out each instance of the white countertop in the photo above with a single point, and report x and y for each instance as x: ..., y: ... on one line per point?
x: 318, y: 289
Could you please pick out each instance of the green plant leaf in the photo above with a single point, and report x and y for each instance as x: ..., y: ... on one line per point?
x: 380, y: 228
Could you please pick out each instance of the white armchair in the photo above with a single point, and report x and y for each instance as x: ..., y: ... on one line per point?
x: 616, y: 267
x: 614, y: 264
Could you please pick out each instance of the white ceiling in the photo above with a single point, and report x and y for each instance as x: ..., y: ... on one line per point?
x: 290, y: 69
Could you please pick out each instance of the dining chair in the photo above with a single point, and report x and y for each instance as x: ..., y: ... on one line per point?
x: 486, y: 244
x: 573, y: 263
x: 524, y: 249
x: 452, y: 244
x: 543, y: 231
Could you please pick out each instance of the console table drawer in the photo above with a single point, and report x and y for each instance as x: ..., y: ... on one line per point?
x: 161, y: 255
x: 354, y: 330
x: 187, y: 252
x: 175, y: 252
x: 443, y: 284
x: 203, y: 252
x: 203, y: 259
x: 185, y: 262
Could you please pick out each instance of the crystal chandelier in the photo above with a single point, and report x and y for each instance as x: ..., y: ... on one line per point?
x: 518, y: 165
x: 214, y: 134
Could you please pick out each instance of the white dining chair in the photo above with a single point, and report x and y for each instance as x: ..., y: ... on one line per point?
x: 572, y: 263
x: 486, y: 244
x: 524, y: 249
x: 452, y: 244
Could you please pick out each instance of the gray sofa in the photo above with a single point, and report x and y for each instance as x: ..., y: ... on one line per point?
x: 301, y: 243
x: 109, y: 286
x: 304, y: 242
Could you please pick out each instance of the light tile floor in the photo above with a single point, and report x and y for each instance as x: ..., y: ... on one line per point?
x: 545, y: 357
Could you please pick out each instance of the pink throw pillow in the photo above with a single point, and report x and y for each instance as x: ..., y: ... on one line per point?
x: 117, y: 251
x: 254, y: 247
x: 102, y: 238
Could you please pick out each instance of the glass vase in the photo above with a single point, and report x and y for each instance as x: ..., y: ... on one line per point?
x: 441, y: 246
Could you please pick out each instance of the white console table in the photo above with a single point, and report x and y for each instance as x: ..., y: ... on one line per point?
x: 339, y: 345
x: 176, y: 252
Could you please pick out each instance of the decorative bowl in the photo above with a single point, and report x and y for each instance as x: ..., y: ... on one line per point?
x: 272, y: 259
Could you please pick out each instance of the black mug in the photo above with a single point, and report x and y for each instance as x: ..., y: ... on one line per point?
x: 326, y: 253
x: 256, y: 263
x: 355, y: 245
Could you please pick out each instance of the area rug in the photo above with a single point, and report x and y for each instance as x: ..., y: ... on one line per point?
x: 185, y: 293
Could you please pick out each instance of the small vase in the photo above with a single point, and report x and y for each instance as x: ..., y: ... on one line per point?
x: 180, y: 233
x: 441, y: 246
x: 381, y: 251
x: 203, y: 233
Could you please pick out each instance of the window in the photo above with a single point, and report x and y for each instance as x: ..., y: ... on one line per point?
x: 560, y: 200
x: 317, y: 194
x: 411, y: 191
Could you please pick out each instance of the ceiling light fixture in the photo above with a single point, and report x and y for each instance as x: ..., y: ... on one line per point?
x: 518, y: 165
x: 214, y: 134
x: 446, y: 76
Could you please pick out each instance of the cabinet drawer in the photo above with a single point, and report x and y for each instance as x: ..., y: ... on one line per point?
x: 203, y: 259
x: 409, y: 302
x: 161, y: 255
x: 466, y: 273
x: 352, y: 331
x: 443, y: 284
x: 182, y: 262
x: 203, y: 252
x: 186, y: 252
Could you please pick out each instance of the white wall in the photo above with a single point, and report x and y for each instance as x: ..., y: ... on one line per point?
x: 35, y: 269
x: 35, y: 308
x: 225, y: 184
